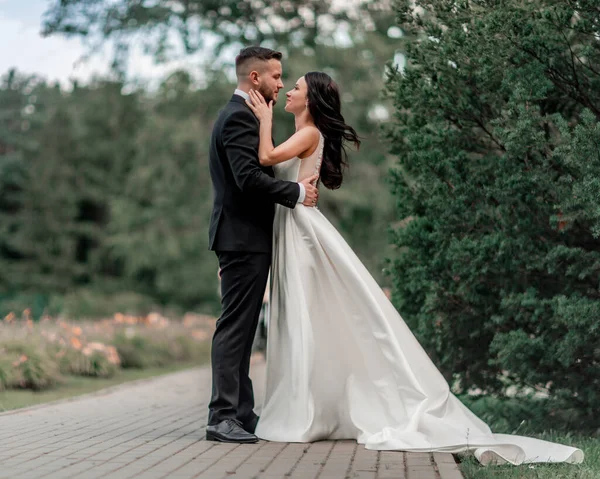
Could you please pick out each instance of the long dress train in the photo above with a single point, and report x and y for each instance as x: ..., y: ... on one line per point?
x: 342, y: 364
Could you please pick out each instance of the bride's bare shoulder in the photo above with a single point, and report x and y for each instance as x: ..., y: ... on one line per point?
x: 313, y: 131
x: 315, y: 136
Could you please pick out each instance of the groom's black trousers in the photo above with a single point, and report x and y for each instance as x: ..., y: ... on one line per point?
x: 243, y: 283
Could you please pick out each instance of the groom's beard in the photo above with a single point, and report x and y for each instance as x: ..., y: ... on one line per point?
x: 267, y: 95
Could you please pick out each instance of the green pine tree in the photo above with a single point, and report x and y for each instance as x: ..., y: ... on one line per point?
x: 498, y: 143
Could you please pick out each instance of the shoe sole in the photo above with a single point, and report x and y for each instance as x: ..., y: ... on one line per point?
x: 215, y: 437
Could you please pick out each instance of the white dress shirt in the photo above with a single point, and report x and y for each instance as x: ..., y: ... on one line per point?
x: 245, y: 96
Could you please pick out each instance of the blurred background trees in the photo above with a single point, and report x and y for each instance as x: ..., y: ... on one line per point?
x: 106, y: 194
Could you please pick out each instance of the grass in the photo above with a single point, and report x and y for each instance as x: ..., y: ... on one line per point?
x: 589, y: 469
x: 542, y: 419
x: 78, y: 385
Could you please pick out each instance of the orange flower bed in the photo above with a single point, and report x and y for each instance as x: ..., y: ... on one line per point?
x: 38, y: 355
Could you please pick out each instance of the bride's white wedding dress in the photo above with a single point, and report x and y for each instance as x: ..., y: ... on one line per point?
x: 342, y: 364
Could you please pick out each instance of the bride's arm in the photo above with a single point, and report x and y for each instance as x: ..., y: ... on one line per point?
x: 298, y: 143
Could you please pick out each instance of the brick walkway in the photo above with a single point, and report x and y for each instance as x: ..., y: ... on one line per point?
x: 155, y: 429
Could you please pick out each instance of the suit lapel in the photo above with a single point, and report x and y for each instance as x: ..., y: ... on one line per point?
x: 239, y: 99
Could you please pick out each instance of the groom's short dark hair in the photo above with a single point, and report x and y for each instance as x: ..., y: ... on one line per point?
x: 249, y: 55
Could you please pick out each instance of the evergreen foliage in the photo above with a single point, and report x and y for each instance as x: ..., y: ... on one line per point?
x: 498, y: 179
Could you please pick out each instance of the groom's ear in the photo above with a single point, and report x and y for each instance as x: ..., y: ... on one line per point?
x: 254, y: 77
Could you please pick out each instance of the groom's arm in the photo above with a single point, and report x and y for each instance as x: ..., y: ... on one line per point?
x: 240, y: 139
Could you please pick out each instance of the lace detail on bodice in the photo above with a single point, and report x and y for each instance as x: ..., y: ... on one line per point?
x: 319, y: 149
x: 297, y: 169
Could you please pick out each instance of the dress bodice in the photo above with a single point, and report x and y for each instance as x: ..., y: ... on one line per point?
x: 297, y: 169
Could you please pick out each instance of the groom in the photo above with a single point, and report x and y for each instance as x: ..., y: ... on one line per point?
x: 241, y: 229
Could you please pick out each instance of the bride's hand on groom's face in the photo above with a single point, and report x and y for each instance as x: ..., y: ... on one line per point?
x: 259, y: 106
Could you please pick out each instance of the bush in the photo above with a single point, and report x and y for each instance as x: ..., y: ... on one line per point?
x: 96, y: 363
x: 528, y: 415
x: 144, y: 349
x: 28, y: 366
x: 7, y: 372
x: 497, y: 135
x: 37, y: 355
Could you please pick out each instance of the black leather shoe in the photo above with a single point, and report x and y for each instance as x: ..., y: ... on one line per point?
x: 250, y: 426
x: 229, y: 431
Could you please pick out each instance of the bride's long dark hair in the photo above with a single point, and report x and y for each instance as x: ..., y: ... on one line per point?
x: 324, y: 106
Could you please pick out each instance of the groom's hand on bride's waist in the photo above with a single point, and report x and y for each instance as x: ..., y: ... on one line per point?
x: 312, y: 192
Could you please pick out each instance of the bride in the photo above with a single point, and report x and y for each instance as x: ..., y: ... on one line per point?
x: 341, y: 362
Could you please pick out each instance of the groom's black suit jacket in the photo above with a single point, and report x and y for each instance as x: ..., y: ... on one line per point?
x: 244, y: 192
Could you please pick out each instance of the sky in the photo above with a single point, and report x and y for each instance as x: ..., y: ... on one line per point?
x: 62, y: 59
x: 58, y: 58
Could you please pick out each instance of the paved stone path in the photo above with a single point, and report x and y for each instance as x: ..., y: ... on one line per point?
x: 155, y: 429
